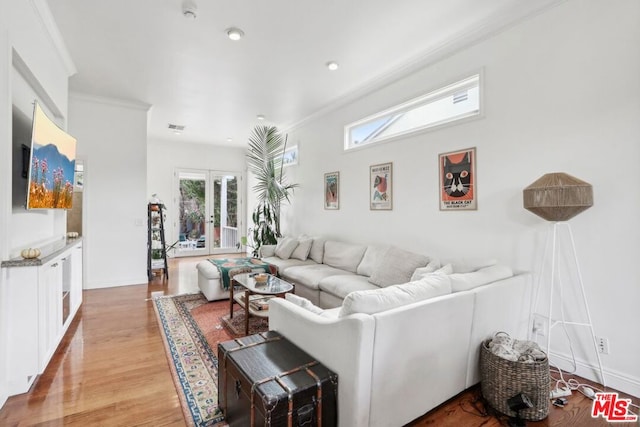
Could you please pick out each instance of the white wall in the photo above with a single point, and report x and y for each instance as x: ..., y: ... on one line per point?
x: 27, y: 44
x: 165, y: 157
x: 38, y: 71
x: 561, y: 93
x: 112, y: 141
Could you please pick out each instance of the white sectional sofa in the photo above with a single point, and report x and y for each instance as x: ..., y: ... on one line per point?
x: 399, y: 349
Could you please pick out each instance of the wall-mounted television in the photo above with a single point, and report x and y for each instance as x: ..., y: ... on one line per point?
x: 51, y: 165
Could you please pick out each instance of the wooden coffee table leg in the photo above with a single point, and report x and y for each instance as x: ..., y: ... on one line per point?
x: 246, y: 312
x: 231, y: 286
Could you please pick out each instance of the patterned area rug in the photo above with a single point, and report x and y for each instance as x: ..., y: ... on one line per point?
x: 192, y: 329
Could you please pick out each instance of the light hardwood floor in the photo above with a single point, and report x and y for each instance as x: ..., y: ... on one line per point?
x: 111, y: 370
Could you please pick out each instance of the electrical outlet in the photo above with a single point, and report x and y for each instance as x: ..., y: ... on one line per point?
x: 603, y: 345
x: 539, y: 327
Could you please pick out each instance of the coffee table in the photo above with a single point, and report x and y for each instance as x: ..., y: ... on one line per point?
x: 274, y: 286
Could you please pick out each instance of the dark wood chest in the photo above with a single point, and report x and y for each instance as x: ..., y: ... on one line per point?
x: 265, y: 380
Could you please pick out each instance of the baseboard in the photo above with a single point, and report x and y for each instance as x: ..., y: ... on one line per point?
x: 614, y: 379
x: 98, y: 284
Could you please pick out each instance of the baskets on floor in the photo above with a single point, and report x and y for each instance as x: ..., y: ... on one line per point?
x: 503, y: 379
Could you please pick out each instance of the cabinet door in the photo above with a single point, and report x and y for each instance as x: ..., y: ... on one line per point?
x: 50, y: 303
x: 76, y: 278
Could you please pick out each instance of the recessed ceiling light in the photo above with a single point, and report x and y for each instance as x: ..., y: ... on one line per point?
x: 234, y: 33
x: 229, y: 139
x: 332, y: 65
x: 260, y: 117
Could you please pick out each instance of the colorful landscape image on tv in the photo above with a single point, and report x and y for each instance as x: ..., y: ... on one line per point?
x: 52, y: 165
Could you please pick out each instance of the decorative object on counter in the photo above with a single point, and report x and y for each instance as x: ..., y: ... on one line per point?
x: 72, y: 235
x: 30, y: 253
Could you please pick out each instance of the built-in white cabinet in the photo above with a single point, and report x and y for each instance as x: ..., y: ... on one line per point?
x: 41, y: 301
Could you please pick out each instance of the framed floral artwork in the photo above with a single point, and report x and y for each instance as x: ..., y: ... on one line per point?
x: 332, y: 190
x: 380, y: 187
x: 458, y: 180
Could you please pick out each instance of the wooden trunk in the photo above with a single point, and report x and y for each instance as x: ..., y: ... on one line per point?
x: 264, y: 379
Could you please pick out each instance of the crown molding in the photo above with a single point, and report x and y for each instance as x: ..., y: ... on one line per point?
x: 116, y: 102
x: 44, y: 13
x: 480, y: 33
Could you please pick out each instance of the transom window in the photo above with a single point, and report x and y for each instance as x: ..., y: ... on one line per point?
x: 451, y: 103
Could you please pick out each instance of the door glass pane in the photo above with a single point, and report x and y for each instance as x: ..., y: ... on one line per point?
x: 225, y: 212
x: 192, y: 208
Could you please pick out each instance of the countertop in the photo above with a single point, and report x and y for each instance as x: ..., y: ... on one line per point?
x: 48, y: 252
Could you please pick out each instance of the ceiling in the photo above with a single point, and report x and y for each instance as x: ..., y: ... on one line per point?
x: 193, y: 75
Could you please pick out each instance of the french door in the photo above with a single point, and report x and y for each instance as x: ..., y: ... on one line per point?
x: 209, y: 205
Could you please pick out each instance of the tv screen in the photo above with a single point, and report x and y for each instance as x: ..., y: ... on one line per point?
x: 51, y: 166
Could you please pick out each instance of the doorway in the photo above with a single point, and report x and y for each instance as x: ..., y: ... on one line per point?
x: 209, y: 207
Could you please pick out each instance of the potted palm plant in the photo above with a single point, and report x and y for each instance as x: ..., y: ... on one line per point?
x: 264, y: 161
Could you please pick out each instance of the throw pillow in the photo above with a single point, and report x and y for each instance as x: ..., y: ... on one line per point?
x: 304, y: 303
x: 466, y: 281
x: 376, y: 300
x: 372, y: 256
x: 419, y: 273
x: 396, y: 266
x: 317, y: 250
x: 285, y: 247
x: 301, y: 252
x: 267, y: 251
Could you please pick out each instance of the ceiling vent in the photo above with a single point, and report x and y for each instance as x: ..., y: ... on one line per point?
x: 176, y: 128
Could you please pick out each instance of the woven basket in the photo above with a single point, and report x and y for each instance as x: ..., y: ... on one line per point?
x: 502, y: 379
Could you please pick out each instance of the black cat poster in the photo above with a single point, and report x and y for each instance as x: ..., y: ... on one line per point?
x: 458, y: 180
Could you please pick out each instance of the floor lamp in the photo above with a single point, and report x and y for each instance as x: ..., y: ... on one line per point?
x: 558, y: 197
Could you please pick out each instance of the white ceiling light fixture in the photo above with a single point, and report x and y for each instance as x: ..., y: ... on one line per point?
x: 260, y: 117
x: 234, y: 33
x: 189, y: 9
x: 332, y: 65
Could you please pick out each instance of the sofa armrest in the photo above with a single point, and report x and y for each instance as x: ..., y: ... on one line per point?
x: 344, y: 345
x: 266, y: 251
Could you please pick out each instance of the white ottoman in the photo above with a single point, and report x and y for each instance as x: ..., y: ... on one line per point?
x: 209, y: 281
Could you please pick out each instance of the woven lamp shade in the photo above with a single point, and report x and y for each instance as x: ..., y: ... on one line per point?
x: 558, y: 196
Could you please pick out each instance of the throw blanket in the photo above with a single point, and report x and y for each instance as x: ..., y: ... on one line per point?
x: 502, y: 345
x: 232, y: 266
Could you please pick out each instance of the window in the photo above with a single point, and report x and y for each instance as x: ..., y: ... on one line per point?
x: 454, y: 102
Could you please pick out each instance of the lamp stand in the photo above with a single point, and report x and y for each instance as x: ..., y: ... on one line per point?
x: 550, y: 322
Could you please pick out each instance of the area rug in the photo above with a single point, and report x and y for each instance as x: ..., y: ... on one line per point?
x: 192, y: 328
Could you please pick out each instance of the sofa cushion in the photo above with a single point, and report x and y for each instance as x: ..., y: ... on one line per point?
x: 285, y: 247
x: 375, y: 301
x: 468, y: 265
x: 345, y: 256
x: 310, y: 275
x: 304, y: 303
x: 420, y: 272
x: 371, y: 258
x: 397, y: 266
x: 301, y: 252
x: 317, y: 250
x: 465, y: 281
x: 341, y: 286
x: 284, y: 264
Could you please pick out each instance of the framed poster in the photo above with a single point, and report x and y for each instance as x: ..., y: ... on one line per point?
x: 458, y: 180
x: 380, y: 180
x: 332, y: 190
x: 290, y: 156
